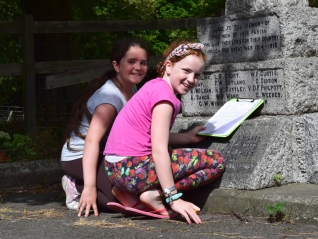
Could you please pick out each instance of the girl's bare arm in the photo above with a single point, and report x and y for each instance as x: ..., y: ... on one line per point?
x: 190, y: 137
x: 161, y: 118
x: 102, y: 120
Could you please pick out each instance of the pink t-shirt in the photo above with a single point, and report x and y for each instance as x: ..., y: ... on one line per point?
x: 130, y: 133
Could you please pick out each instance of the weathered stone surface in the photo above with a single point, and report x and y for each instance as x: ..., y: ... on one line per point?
x: 261, y: 49
x: 240, y: 39
x: 240, y: 6
x: 264, y: 146
x: 288, y: 86
x: 276, y: 33
x: 309, y: 142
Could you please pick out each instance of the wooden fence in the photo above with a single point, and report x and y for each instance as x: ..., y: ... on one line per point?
x: 65, y: 73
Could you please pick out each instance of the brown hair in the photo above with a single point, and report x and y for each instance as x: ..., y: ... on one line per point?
x: 161, y: 66
x: 80, y: 107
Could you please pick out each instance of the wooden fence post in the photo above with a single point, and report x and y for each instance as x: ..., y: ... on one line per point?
x: 29, y: 98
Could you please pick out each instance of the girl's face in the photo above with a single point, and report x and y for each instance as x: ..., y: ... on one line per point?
x: 184, y: 74
x: 133, y: 66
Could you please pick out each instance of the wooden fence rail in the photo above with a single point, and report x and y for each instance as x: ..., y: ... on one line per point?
x: 62, y: 70
x: 100, y: 26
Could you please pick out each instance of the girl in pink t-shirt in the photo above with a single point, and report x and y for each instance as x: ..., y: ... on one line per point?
x: 138, y: 159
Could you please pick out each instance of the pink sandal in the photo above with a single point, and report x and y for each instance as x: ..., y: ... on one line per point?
x: 117, y: 207
x: 155, y: 213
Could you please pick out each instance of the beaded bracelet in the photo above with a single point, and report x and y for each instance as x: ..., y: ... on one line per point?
x: 173, y: 197
x: 169, y: 190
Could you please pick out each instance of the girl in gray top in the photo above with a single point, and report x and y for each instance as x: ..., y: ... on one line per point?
x: 86, y: 184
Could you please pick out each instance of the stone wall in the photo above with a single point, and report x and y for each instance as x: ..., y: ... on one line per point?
x: 268, y: 50
x: 240, y: 6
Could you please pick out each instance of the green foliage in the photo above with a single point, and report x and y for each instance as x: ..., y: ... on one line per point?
x: 10, y: 48
x: 4, y: 137
x: 91, y: 46
x: 98, y: 45
x: 276, y: 212
x: 10, y: 43
x: 11, y: 90
x: 10, y: 10
x: 188, y: 8
x: 17, y: 148
x: 277, y: 178
x: 10, y: 87
x: 40, y: 145
x: 313, y: 3
x: 113, y: 10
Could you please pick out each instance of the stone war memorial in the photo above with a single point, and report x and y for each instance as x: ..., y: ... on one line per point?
x: 269, y: 50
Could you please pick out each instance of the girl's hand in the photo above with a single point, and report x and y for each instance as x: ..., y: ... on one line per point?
x: 193, y: 134
x: 186, y: 209
x: 88, y: 201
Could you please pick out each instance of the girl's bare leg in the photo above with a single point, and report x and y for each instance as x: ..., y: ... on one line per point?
x: 152, y: 199
x: 128, y: 199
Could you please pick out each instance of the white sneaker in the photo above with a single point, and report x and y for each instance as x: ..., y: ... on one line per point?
x: 72, y: 195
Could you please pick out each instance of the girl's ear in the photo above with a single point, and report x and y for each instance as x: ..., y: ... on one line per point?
x: 168, y: 65
x: 115, y: 65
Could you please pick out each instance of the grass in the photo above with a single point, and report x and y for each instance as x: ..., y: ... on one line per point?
x: 7, y: 213
x: 105, y: 224
x: 6, y: 210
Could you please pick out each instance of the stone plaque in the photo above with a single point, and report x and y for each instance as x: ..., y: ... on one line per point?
x: 216, y: 88
x: 240, y: 40
x: 240, y: 153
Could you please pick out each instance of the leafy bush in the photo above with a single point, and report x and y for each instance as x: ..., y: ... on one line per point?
x: 4, y: 137
x: 41, y: 145
x: 17, y: 148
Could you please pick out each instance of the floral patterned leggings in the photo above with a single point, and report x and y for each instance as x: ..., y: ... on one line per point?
x: 191, y: 168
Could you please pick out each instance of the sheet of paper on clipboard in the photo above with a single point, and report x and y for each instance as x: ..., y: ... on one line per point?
x: 230, y: 116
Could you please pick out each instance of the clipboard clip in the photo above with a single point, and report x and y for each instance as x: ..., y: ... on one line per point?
x: 244, y: 100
